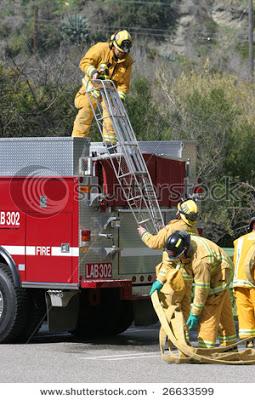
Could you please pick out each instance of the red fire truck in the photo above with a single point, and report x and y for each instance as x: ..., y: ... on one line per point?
x: 69, y: 248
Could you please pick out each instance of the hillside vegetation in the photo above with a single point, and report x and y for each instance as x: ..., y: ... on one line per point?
x: 190, y: 81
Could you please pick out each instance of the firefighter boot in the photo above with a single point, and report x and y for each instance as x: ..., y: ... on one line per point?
x: 250, y: 344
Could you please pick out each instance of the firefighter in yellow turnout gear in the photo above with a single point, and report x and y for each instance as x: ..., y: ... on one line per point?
x: 186, y: 220
x: 112, y: 61
x: 244, y: 282
x: 211, y: 271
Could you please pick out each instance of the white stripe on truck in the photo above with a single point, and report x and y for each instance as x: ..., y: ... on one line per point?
x: 33, y: 251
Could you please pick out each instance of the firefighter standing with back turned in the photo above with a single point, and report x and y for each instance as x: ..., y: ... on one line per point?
x: 244, y: 282
x: 211, y: 270
x: 166, y: 275
x: 112, y: 60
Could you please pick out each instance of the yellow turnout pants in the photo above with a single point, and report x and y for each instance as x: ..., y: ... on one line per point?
x: 217, y: 321
x: 176, y: 291
x: 84, y: 117
x: 245, y: 303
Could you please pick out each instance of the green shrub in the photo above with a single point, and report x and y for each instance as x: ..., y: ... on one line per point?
x: 74, y: 28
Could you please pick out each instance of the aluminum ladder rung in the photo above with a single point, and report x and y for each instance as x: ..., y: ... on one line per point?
x: 134, y: 167
x: 144, y: 221
x: 106, y: 156
x: 137, y: 173
x: 134, y: 198
x: 123, y: 175
x: 140, y: 173
x: 127, y: 143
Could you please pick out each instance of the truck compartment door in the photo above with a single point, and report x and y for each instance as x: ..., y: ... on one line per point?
x: 49, y: 253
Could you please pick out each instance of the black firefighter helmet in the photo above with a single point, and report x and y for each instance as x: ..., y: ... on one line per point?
x: 177, y: 244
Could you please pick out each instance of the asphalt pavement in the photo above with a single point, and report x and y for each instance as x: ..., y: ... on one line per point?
x: 130, y: 357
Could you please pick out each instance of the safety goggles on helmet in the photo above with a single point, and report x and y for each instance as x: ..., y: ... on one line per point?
x: 177, y: 244
x: 126, y: 46
x: 192, y: 216
x: 122, y: 41
x: 188, y: 210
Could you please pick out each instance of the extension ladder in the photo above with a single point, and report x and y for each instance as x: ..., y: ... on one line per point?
x: 127, y: 160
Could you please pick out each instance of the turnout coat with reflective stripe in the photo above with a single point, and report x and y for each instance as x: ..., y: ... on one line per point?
x: 119, y: 69
x: 244, y: 261
x: 211, y: 268
x: 158, y: 241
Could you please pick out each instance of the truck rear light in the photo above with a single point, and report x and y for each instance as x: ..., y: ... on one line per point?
x: 133, y: 278
x: 85, y: 235
x: 142, y: 278
x: 85, y: 189
x: 149, y: 278
x: 103, y: 205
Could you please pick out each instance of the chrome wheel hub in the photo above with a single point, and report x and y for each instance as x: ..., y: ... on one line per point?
x: 1, y: 304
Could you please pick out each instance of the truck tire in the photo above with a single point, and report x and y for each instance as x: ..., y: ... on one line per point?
x: 109, y: 318
x: 124, y: 318
x: 13, y: 308
x: 37, y: 314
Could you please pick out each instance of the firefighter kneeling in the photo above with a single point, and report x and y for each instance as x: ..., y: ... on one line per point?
x: 211, y: 271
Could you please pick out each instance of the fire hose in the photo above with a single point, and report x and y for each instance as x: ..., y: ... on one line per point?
x: 173, y: 330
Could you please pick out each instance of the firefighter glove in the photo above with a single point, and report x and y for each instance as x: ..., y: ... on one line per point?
x: 192, y: 322
x: 122, y: 96
x: 157, y: 285
x: 95, y: 93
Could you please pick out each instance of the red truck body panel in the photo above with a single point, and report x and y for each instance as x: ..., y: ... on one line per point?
x: 42, y: 215
x: 32, y: 235
x: 167, y: 176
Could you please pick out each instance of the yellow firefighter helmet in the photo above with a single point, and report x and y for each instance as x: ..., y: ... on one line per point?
x: 188, y: 211
x: 122, y: 41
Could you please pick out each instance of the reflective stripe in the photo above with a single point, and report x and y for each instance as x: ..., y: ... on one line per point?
x: 185, y: 276
x: 15, y: 250
x: 198, y: 305
x: 214, y: 259
x: 122, y: 95
x: 228, y: 338
x: 249, y: 332
x: 205, y: 344
x: 243, y: 283
x: 34, y: 251
x: 202, y: 285
x: 109, y: 137
x: 91, y: 70
x: 218, y: 289
x: 239, y: 249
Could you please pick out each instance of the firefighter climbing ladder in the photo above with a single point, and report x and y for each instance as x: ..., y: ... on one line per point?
x: 127, y: 160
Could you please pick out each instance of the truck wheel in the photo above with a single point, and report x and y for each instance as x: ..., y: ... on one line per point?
x: 37, y: 313
x: 111, y: 317
x: 122, y: 320
x: 13, y: 308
